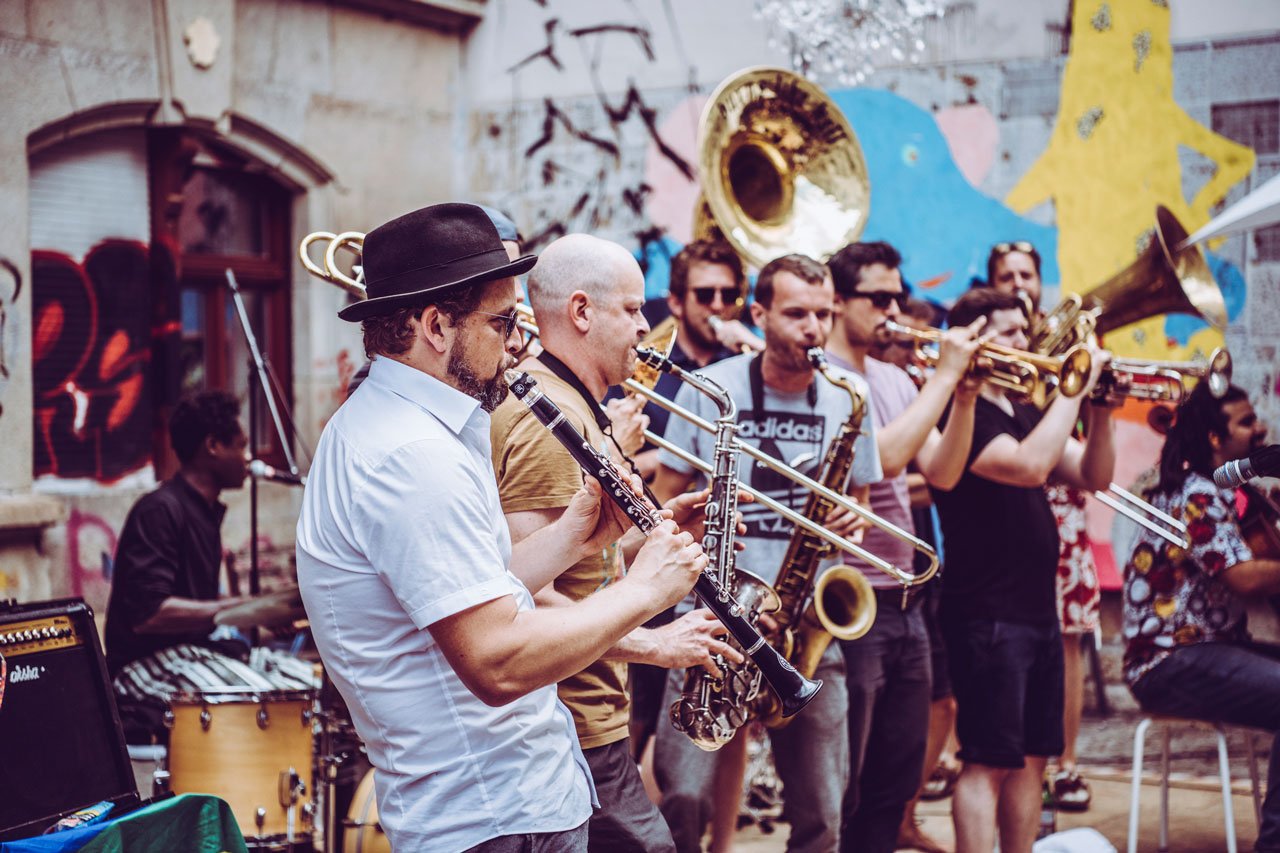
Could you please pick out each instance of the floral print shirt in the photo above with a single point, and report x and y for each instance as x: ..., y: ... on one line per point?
x: 1172, y: 595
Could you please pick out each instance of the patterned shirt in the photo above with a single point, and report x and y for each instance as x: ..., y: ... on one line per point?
x: 1172, y: 595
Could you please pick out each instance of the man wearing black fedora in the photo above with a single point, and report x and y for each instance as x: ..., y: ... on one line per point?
x: 404, y: 560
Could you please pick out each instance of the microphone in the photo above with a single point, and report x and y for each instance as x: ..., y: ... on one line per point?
x: 1261, y: 463
x: 262, y: 471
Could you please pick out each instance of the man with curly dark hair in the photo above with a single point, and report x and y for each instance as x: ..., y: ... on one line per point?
x: 164, y: 585
x: 1188, y: 652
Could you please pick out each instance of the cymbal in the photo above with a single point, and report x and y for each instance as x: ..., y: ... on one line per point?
x: 273, y: 610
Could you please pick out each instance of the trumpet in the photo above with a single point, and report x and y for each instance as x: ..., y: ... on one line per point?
x: 1165, y: 381
x: 1026, y: 374
x: 904, y: 577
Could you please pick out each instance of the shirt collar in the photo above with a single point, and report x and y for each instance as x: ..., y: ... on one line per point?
x: 450, y: 406
x: 215, y: 510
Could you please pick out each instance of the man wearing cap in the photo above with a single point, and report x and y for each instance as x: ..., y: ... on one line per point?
x: 404, y: 555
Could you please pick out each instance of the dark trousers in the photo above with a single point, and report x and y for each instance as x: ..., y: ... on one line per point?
x: 1224, y: 683
x: 889, y: 680
x: 627, y: 820
x: 569, y: 841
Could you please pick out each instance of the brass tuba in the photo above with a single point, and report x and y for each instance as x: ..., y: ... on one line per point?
x: 1165, y: 279
x: 781, y: 168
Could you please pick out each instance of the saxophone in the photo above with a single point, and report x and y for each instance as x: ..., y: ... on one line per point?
x: 838, y: 603
x: 712, y: 708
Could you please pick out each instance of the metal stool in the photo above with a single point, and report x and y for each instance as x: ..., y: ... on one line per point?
x: 1224, y: 769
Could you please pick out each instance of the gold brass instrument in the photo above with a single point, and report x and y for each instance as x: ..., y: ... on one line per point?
x: 1165, y: 381
x: 1026, y: 374
x: 781, y: 168
x: 781, y: 468
x: 1164, y: 279
x: 843, y: 605
x: 329, y: 270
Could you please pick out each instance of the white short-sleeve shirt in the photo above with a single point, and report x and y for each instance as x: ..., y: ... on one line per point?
x: 401, y: 527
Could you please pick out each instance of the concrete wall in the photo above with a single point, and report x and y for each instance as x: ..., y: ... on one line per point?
x: 353, y: 111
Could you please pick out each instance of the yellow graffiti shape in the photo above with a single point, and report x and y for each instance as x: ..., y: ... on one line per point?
x: 1113, y: 155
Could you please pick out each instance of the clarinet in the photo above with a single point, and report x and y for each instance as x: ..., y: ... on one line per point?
x: 793, y: 689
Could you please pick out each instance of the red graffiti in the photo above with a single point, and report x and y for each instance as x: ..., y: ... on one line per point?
x: 91, y: 544
x: 92, y: 348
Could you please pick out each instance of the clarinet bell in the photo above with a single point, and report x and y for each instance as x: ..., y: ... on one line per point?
x: 806, y: 690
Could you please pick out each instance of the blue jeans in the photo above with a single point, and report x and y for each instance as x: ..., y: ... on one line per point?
x: 1224, y: 683
x: 811, y: 755
x: 889, y: 681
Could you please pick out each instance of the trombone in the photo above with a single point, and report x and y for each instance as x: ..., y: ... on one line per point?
x: 636, y: 384
x: 329, y: 270
x: 779, y: 467
x: 1142, y: 513
x: 1026, y: 374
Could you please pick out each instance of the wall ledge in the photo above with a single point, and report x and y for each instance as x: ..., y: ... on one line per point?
x: 30, y: 512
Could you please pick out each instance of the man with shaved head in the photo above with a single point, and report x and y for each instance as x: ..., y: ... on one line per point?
x: 586, y: 295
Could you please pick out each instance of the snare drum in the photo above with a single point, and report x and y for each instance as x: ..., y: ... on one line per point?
x: 252, y: 749
x: 363, y: 832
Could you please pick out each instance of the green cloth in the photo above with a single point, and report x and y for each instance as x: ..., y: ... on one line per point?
x: 191, y: 823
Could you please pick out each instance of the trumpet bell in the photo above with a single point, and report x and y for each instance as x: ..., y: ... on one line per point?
x: 782, y: 169
x: 1219, y: 372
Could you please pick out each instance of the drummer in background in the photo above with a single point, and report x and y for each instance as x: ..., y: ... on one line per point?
x: 164, y: 587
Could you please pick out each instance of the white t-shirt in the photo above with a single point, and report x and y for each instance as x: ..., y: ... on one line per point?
x: 401, y: 527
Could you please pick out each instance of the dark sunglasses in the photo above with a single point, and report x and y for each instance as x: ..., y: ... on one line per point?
x: 881, y: 299
x: 509, y: 319
x: 1016, y: 246
x: 707, y: 295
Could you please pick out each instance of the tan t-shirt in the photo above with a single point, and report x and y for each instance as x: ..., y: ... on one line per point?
x: 535, y: 472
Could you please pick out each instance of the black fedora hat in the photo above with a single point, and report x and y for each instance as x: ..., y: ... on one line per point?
x: 437, y: 247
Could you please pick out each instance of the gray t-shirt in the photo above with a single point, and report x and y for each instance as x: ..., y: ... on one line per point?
x: 787, y: 428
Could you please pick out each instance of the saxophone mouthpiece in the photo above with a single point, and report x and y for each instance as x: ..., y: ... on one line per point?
x: 817, y: 357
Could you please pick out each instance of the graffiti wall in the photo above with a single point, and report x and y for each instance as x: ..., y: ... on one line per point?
x: 1071, y: 152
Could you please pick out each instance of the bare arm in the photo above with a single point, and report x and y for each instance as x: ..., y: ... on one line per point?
x: 902, y: 439
x: 180, y: 615
x: 502, y: 653
x: 944, y: 456
x: 668, y: 483
x: 1253, y: 577
x: 1029, y: 462
x: 1089, y: 465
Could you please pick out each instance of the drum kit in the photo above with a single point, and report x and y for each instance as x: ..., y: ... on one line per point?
x: 286, y: 761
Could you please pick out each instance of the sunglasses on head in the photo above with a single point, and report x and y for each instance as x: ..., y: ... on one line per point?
x: 509, y: 319
x: 881, y: 299
x: 707, y: 295
x: 1016, y: 246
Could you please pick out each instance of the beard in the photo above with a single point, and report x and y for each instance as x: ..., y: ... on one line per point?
x: 490, y: 392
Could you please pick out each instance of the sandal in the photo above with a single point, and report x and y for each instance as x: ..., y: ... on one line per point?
x: 942, y: 781
x: 1070, y: 791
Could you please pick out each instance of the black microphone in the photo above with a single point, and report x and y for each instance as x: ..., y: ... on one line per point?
x: 262, y: 471
x: 1260, y: 463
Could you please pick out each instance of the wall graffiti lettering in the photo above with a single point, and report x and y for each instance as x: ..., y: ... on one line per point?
x: 91, y: 345
x: 91, y: 548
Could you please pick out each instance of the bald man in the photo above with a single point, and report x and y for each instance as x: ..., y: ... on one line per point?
x: 586, y: 295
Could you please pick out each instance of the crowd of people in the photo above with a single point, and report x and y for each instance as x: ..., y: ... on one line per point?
x: 508, y: 645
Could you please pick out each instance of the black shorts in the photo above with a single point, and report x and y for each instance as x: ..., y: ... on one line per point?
x: 941, y: 687
x: 1008, y: 686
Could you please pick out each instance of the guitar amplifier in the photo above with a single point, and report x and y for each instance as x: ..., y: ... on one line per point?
x: 61, y: 745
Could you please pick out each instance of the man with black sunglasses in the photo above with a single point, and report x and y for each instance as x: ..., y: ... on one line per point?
x: 896, y: 699
x: 586, y: 294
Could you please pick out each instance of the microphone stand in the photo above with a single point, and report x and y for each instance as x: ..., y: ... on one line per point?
x: 260, y: 369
